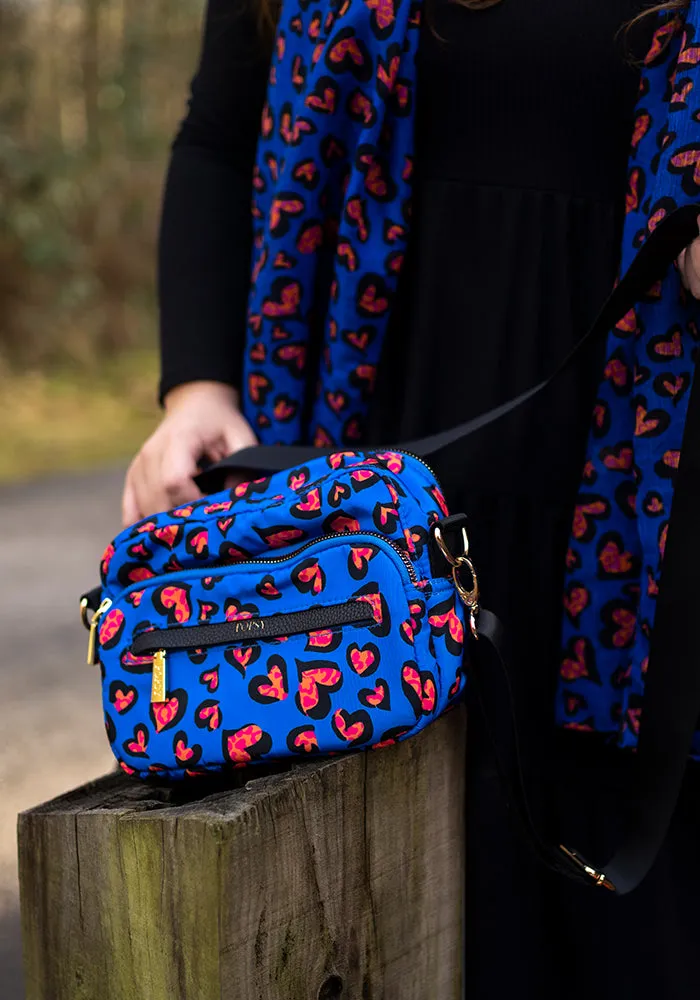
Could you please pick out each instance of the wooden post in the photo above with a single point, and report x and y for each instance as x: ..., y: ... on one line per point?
x: 335, y: 880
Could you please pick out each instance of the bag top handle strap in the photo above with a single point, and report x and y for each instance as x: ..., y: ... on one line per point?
x: 675, y: 232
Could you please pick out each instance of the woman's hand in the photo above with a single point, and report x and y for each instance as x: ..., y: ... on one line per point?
x: 202, y: 419
x: 689, y: 266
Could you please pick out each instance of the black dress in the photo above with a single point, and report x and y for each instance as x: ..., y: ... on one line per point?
x: 524, y: 114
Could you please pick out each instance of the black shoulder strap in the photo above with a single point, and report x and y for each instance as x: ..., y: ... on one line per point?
x: 671, y: 708
x: 662, y: 247
x: 672, y: 693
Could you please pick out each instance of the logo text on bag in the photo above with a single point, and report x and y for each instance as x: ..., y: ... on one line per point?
x: 250, y: 625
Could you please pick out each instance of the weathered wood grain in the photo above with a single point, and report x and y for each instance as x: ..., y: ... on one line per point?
x: 339, y: 880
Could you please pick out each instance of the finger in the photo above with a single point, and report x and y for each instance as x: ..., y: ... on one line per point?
x: 178, y: 466
x: 238, y: 434
x: 234, y: 479
x: 130, y: 508
x: 686, y: 267
x: 692, y: 268
x: 235, y: 436
x: 145, y: 478
x: 680, y: 263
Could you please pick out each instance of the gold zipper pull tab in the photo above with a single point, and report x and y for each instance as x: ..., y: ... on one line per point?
x: 158, y: 686
x: 91, y: 644
x: 92, y: 635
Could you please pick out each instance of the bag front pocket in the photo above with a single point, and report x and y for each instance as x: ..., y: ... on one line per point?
x: 243, y: 631
x: 201, y: 670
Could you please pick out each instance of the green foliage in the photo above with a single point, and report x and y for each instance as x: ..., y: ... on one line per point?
x: 90, y: 95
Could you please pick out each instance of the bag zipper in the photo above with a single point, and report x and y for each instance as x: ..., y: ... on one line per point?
x: 92, y: 627
x: 219, y: 563
x: 411, y: 454
x: 314, y: 541
x: 159, y: 689
x: 242, y: 630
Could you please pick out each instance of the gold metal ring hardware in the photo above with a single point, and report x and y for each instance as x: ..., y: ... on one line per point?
x: 91, y: 625
x: 442, y: 545
x: 469, y: 597
x: 84, y: 613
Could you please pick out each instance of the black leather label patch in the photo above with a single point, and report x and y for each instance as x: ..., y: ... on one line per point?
x: 247, y: 630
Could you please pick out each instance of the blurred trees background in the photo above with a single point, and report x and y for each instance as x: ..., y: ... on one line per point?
x: 90, y: 95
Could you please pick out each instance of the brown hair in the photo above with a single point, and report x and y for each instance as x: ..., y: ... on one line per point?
x: 659, y: 8
x: 267, y: 12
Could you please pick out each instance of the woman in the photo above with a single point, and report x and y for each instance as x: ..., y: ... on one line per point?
x: 521, y: 112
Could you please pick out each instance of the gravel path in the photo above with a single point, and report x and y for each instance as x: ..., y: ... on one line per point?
x: 52, y: 535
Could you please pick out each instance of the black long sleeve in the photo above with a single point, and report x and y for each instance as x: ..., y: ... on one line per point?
x: 205, y: 233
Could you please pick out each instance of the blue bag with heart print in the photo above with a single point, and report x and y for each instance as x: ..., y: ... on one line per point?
x: 311, y: 611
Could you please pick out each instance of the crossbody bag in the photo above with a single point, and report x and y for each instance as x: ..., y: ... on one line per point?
x: 327, y: 606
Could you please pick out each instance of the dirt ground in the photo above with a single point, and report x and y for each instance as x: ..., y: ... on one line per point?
x: 52, y: 533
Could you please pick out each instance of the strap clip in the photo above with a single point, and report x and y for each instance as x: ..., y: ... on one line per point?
x: 597, y: 877
x: 468, y: 595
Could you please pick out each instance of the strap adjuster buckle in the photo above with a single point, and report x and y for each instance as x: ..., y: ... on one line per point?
x: 469, y: 596
x: 597, y: 877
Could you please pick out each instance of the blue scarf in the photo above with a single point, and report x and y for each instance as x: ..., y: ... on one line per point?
x: 620, y: 524
x: 332, y: 208
x: 332, y: 188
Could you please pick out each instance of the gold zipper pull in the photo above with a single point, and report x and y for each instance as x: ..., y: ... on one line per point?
x: 92, y: 636
x: 158, y: 686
